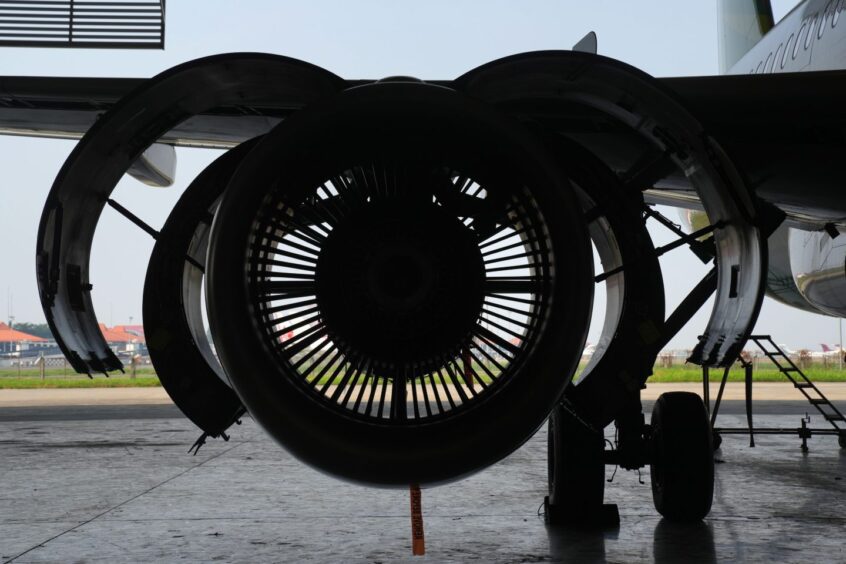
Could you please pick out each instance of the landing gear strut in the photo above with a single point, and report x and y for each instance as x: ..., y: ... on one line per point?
x: 576, y: 474
x: 676, y: 445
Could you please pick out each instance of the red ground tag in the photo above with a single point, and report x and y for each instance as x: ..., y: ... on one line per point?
x: 418, y: 543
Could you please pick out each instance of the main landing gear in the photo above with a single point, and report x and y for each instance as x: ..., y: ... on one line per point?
x: 676, y: 445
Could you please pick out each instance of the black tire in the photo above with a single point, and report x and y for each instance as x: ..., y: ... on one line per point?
x: 841, y: 439
x: 682, y: 465
x: 576, y: 468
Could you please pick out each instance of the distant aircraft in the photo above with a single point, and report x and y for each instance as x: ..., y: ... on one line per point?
x: 428, y: 243
x: 787, y: 350
x: 828, y: 352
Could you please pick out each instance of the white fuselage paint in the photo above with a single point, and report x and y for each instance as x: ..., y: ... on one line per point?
x: 812, y: 37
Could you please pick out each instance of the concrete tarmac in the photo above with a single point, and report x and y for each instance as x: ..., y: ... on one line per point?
x: 114, y: 483
x: 767, y: 391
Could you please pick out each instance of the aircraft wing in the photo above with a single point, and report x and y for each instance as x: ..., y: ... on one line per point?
x: 66, y: 107
x: 784, y: 132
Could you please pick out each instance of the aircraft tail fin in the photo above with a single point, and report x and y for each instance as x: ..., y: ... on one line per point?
x: 826, y: 348
x: 742, y: 24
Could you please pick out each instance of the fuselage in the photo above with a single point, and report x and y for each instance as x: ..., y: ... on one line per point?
x: 812, y: 37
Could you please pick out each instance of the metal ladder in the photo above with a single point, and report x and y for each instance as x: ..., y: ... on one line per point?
x: 801, y: 382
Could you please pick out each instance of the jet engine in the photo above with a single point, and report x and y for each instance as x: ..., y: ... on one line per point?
x: 398, y: 273
x: 418, y: 276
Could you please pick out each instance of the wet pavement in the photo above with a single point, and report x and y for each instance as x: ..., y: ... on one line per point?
x: 114, y: 484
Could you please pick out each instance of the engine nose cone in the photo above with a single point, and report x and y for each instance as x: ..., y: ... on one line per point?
x: 400, y: 279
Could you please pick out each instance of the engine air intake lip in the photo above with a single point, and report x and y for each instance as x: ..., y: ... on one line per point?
x: 399, y: 284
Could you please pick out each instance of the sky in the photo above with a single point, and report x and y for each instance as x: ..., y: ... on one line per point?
x: 436, y: 39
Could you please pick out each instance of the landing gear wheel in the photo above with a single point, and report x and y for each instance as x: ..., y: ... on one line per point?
x: 683, y: 463
x: 576, y: 474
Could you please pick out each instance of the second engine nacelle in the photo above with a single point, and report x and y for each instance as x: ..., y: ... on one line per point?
x: 818, y: 264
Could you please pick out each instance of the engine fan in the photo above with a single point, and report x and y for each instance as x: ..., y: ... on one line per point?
x: 399, y: 284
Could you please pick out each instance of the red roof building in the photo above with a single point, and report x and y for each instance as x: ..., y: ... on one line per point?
x: 9, y: 335
x: 136, y: 330
x: 118, y: 335
x: 12, y: 341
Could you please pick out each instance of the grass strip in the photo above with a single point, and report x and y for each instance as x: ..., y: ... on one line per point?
x: 35, y: 383
x: 146, y: 377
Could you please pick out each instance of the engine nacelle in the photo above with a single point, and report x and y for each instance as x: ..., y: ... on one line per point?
x: 399, y: 284
x: 781, y: 284
x: 818, y: 264
x: 805, y: 269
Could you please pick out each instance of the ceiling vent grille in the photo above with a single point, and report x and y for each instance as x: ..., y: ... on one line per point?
x: 121, y: 24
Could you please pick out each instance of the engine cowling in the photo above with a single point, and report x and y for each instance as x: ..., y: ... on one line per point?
x: 399, y: 284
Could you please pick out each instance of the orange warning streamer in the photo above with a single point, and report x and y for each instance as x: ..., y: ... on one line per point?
x: 418, y: 543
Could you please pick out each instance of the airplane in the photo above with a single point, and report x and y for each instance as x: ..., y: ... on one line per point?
x: 827, y: 352
x: 428, y: 244
x: 787, y: 350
